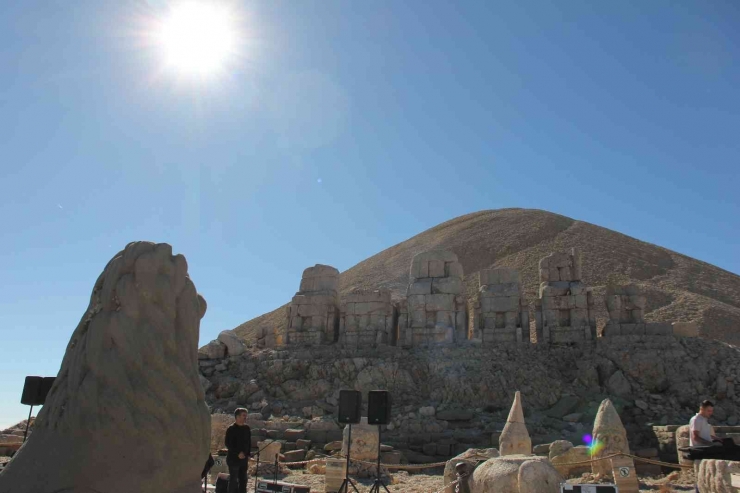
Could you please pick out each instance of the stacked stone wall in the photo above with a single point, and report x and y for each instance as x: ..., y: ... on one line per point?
x: 367, y: 319
x: 500, y: 312
x: 564, y: 311
x: 435, y: 310
x: 313, y: 314
x: 626, y: 307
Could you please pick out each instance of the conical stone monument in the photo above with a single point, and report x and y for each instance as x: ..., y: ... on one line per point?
x: 515, y: 437
x: 609, y: 437
x: 127, y: 411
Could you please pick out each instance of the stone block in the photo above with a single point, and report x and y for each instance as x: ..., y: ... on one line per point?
x: 581, y: 301
x: 686, y: 329
x: 417, y: 301
x: 295, y: 455
x: 454, y: 269
x: 420, y: 287
x: 436, y: 268
x: 546, y: 290
x: 319, y: 436
x: 659, y: 329
x: 612, y: 330
x: 293, y: 434
x: 505, y: 289
x: 501, y: 304
x: 498, y: 276
x: 447, y: 285
x: 437, y: 302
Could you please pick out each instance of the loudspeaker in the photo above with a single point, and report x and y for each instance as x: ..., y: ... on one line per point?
x: 378, y: 407
x: 31, y: 391
x: 44, y: 388
x: 36, y: 389
x: 350, y: 406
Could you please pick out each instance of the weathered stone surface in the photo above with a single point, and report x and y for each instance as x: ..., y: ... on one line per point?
x: 455, y: 415
x: 127, y: 389
x: 610, y: 433
x: 714, y: 475
x: 686, y: 329
x: 269, y: 449
x: 470, y: 458
x: 234, y: 345
x: 514, y: 438
x: 434, y: 311
x: 212, y: 350
x: 564, y: 312
x: 666, y: 373
x: 515, y: 474
x: 367, y: 318
x: 618, y: 385
x: 561, y: 456
x: 500, y: 314
x: 295, y: 455
x: 364, y: 441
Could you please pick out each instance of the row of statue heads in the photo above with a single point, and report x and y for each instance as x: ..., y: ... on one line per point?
x: 435, y: 309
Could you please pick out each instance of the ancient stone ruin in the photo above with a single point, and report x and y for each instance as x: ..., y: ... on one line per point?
x: 367, y: 319
x: 500, y: 313
x: 313, y: 314
x: 435, y: 310
x: 127, y: 411
x: 564, y: 311
x: 626, y: 306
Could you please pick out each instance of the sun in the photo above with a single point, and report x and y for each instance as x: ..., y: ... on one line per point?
x: 198, y: 37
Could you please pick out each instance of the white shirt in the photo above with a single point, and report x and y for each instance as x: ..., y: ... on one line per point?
x: 699, y: 423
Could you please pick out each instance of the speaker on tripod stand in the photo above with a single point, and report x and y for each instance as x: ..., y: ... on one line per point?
x: 350, y: 409
x: 378, y: 413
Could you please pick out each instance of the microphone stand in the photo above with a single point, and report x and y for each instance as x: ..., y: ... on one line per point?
x: 257, y: 466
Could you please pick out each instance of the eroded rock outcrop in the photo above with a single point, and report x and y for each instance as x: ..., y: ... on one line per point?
x: 127, y: 411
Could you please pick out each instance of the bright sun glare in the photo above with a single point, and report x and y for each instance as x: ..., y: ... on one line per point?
x: 198, y: 37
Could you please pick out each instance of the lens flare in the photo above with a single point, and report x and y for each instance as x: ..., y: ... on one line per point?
x: 594, y: 445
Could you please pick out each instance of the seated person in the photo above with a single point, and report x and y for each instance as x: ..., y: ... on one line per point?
x: 700, y: 431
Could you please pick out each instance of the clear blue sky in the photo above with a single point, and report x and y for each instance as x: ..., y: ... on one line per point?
x: 341, y: 129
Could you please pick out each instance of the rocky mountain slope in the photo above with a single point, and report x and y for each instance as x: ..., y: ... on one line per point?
x: 678, y: 288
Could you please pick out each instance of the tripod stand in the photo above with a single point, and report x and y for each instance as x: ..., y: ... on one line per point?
x: 347, y: 481
x: 378, y: 482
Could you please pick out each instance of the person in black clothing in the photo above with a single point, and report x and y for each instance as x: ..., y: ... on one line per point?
x: 238, y: 442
